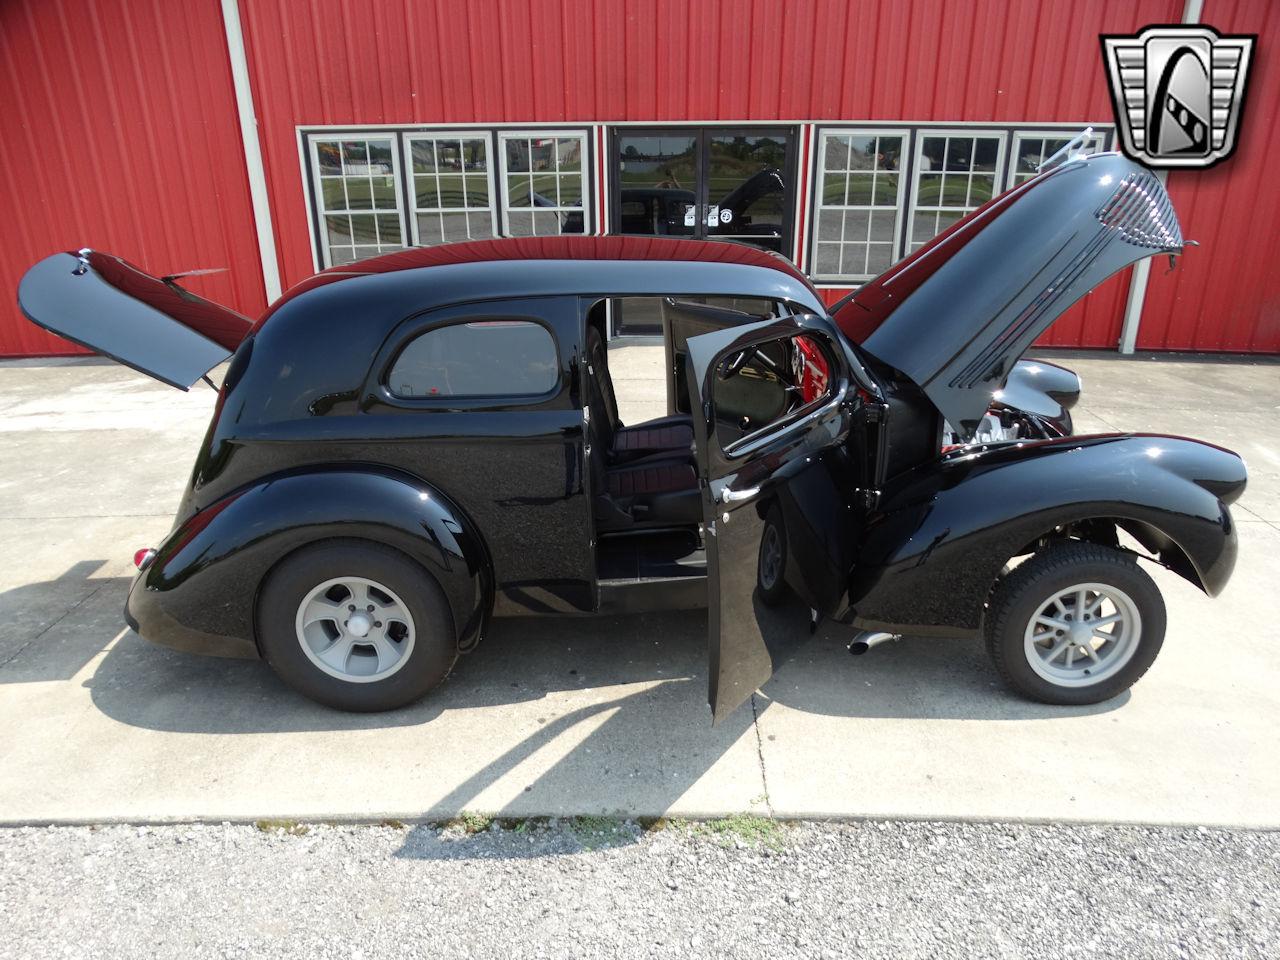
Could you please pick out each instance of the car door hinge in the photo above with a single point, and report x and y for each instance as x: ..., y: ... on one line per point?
x: 876, y: 412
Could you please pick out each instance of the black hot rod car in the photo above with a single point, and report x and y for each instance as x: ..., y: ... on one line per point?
x: 404, y: 447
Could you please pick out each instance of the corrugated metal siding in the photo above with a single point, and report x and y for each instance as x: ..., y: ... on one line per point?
x: 326, y: 63
x: 1225, y: 295
x: 120, y: 132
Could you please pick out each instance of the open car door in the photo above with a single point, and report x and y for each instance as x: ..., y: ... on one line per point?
x: 773, y: 408
x: 148, y: 323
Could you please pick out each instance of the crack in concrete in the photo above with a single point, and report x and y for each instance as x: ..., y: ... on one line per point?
x: 65, y: 613
x: 764, y: 776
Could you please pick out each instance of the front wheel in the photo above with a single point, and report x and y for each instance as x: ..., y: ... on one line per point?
x: 1075, y: 624
x: 356, y: 626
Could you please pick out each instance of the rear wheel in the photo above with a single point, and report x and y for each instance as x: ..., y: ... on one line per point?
x: 772, y: 565
x: 1075, y: 624
x: 356, y: 626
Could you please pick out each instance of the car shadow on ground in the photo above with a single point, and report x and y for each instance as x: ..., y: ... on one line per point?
x: 617, y: 703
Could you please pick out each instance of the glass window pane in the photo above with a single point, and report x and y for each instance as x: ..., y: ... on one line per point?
x: 520, y: 223
x: 855, y: 224
x: 363, y: 253
x: 423, y: 156
x: 384, y: 193
x: 879, y: 258
x: 364, y: 229
x: 882, y: 223
x: 388, y: 229
x: 454, y: 226
x: 570, y: 153
x: 359, y: 193
x: 929, y: 190
x: 355, y: 157
x: 475, y: 154
x: 544, y: 190
x: 947, y: 219
x: 835, y: 155
x: 426, y: 196
x: 477, y: 190
x: 829, y: 224
x: 886, y: 194
x: 542, y: 154
x: 861, y: 188
x: 862, y: 153
x: 518, y: 192
x: 451, y: 192
x: 332, y: 194
x: 546, y: 223
x: 985, y: 153
x: 955, y: 190
x: 932, y: 153
x: 449, y: 156
x: 338, y: 230
x: 517, y: 155
x: 341, y: 255
x: 981, y: 189
x: 924, y: 227
x: 501, y: 358
x: 571, y: 190
x: 480, y: 225
x: 959, y: 153
x: 429, y: 231
x: 828, y: 259
x: 380, y: 163
x: 833, y: 187
x: 329, y: 157
x: 889, y: 153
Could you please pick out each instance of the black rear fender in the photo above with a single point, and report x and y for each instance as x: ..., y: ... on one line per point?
x: 944, y: 531
x: 200, y: 591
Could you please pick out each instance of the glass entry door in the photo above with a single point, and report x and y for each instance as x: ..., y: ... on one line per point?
x: 706, y: 183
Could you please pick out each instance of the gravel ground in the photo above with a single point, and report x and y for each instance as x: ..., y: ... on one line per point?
x: 589, y: 888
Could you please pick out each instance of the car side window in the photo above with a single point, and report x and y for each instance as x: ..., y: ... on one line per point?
x: 481, y: 358
x: 767, y: 383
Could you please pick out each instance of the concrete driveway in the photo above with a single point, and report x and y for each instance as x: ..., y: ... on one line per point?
x: 600, y: 715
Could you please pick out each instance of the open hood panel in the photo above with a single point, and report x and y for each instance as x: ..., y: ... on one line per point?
x: 109, y: 305
x: 959, y: 313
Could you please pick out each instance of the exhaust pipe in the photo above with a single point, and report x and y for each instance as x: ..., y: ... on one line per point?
x: 864, y: 641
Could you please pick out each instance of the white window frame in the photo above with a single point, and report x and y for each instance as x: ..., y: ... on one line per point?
x: 579, y: 133
x: 1097, y: 144
x: 409, y: 137
x: 330, y: 136
x: 959, y: 133
x: 906, y: 133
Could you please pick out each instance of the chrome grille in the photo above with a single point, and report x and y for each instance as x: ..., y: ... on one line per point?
x: 1142, y: 213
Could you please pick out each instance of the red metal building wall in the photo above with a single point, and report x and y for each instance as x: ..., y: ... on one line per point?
x: 119, y: 131
x: 1225, y: 295
x: 324, y: 62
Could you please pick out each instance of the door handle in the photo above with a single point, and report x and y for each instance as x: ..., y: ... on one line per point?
x: 734, y: 496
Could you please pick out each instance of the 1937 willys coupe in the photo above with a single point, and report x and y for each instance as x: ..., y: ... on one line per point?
x: 407, y: 446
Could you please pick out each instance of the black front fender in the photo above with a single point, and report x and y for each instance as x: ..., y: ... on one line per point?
x: 200, y: 591
x: 929, y: 555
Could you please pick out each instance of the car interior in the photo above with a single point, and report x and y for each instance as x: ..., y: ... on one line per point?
x: 647, y: 504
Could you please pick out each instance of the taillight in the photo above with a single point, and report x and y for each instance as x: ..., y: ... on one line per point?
x: 142, y: 558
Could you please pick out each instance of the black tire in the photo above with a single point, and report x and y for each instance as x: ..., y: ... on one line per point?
x: 428, y: 662
x: 773, y: 590
x: 1018, y: 598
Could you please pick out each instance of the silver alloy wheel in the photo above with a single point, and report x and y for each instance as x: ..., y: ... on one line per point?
x: 1083, y: 635
x: 770, y: 556
x: 355, y: 629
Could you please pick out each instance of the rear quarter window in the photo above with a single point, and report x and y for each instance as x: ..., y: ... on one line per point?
x: 484, y: 358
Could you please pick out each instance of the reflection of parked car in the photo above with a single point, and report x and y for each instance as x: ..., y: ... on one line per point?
x: 656, y: 211
x: 404, y: 447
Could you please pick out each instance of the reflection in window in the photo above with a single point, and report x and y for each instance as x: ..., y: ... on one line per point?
x: 1031, y: 149
x: 359, y: 197
x: 747, y: 189
x: 451, y: 199
x: 957, y: 174
x: 543, y: 177
x: 487, y: 358
x: 859, y: 201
